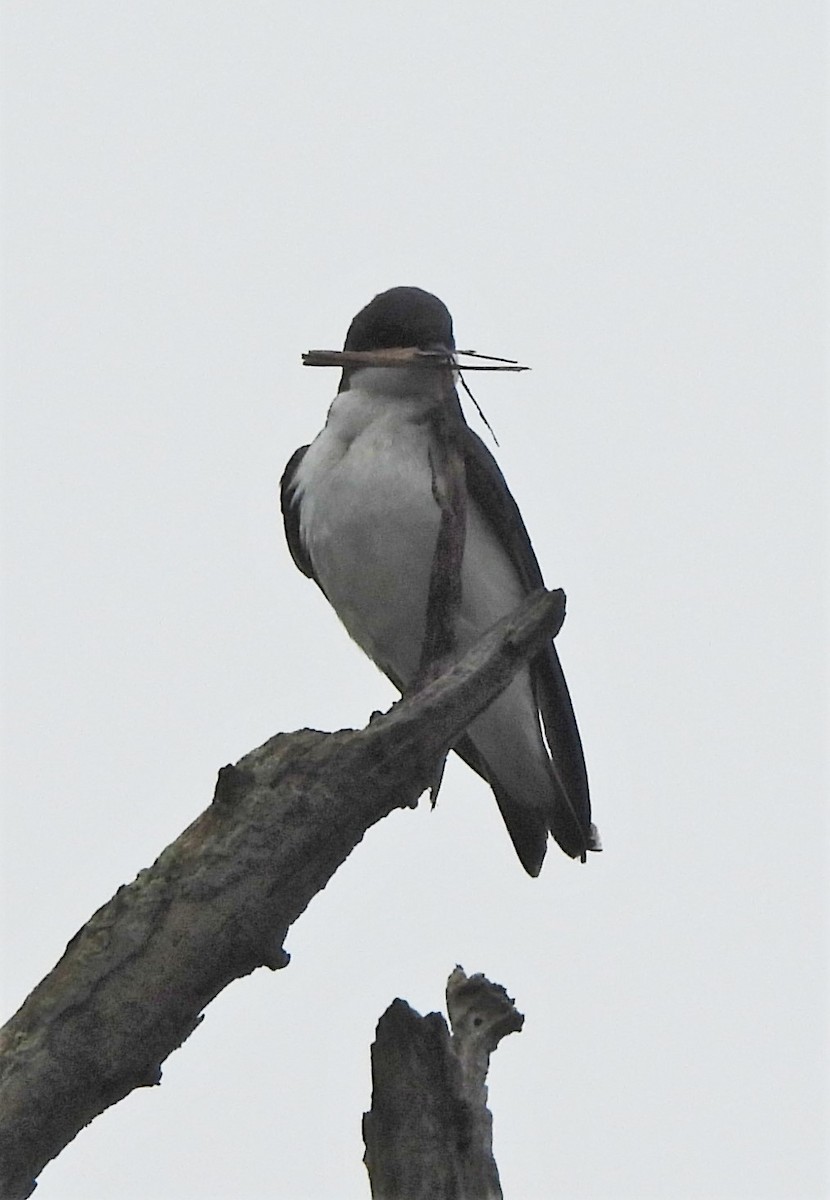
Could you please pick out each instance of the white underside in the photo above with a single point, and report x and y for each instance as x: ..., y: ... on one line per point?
x: 369, y: 522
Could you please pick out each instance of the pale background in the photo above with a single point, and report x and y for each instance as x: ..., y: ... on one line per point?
x: 627, y: 196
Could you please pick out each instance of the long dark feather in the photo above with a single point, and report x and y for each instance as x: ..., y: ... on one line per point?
x: 487, y: 488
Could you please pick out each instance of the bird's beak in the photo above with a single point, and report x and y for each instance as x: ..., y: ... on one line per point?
x: 452, y: 362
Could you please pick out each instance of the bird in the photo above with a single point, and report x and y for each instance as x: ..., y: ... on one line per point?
x: 361, y: 516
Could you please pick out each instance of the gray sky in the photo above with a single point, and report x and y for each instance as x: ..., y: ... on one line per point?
x: 630, y: 198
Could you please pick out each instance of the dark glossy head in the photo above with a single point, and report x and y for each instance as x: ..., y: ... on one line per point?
x: 403, y: 316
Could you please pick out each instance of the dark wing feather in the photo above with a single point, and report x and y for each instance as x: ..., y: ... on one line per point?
x: 487, y: 488
x: 291, y: 515
x: 568, y: 759
x: 527, y: 826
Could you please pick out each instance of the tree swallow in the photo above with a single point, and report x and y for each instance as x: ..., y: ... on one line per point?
x: 361, y: 513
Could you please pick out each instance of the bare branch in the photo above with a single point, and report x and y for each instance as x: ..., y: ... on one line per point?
x: 218, y: 902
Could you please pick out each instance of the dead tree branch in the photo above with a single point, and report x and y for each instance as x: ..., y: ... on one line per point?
x: 429, y: 1132
x: 218, y: 902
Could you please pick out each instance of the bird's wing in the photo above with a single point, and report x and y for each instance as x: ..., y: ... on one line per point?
x: 527, y: 825
x: 291, y: 515
x: 487, y: 489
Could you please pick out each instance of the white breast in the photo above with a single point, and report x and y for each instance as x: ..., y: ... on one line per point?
x: 369, y: 521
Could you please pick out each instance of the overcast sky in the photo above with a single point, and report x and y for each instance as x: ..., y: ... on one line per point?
x: 627, y: 196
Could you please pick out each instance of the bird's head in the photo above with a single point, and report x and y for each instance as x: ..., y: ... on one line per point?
x: 402, y: 317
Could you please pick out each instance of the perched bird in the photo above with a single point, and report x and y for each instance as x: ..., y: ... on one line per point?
x: 361, y: 518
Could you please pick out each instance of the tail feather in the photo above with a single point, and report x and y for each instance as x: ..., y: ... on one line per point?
x: 527, y: 827
x: 529, y: 824
x: 571, y: 827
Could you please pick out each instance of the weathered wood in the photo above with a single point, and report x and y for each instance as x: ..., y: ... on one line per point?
x: 429, y: 1133
x: 218, y: 902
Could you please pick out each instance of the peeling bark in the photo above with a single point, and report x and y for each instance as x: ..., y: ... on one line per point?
x: 218, y: 902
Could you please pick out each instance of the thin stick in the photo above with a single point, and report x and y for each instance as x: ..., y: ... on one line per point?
x: 490, y: 357
x: 401, y: 357
x: 466, y: 388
